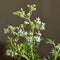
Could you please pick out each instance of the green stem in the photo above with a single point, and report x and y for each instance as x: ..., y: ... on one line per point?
x: 55, y: 58
x: 25, y: 57
x: 32, y: 52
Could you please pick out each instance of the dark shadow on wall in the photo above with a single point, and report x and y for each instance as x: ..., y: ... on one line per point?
x: 47, y: 10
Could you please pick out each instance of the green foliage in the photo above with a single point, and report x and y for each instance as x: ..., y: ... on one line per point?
x: 31, y: 37
x: 27, y: 48
x: 56, y: 49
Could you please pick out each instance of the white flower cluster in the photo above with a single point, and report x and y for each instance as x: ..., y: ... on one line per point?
x: 43, y: 26
x: 29, y: 39
x: 10, y: 28
x: 12, y: 53
x: 37, y: 20
x: 32, y: 7
x: 38, y: 33
x: 6, y: 30
x: 31, y: 36
x: 37, y: 38
x: 26, y: 22
x: 22, y: 33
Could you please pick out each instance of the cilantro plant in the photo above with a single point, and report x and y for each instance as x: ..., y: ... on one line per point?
x: 29, y: 32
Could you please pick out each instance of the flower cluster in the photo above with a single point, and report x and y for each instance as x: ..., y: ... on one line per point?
x: 31, y: 36
x: 30, y: 33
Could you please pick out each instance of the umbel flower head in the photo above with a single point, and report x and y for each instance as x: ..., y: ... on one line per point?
x: 31, y: 37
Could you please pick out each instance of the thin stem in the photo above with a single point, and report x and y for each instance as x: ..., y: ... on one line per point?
x: 55, y: 58
x: 32, y: 52
x: 25, y: 57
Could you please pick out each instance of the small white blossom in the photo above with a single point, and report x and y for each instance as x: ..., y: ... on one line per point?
x: 20, y: 31
x: 16, y: 40
x: 11, y: 27
x: 34, y: 5
x: 38, y: 39
x: 25, y: 33
x: 43, y: 26
x: 28, y: 5
x: 38, y: 33
x: 8, y: 52
x: 16, y: 53
x: 5, y: 31
x: 38, y: 18
x: 31, y: 33
x: 37, y: 21
x: 29, y: 39
x: 21, y: 9
x: 26, y: 22
x: 34, y: 9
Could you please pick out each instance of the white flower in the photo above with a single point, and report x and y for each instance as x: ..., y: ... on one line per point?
x: 16, y: 39
x: 29, y: 39
x: 28, y: 5
x: 11, y: 27
x: 16, y: 53
x: 31, y: 33
x: 37, y: 21
x: 43, y: 26
x: 38, y: 33
x: 38, y: 39
x: 26, y: 22
x: 34, y: 5
x: 38, y: 18
x: 8, y: 52
x: 20, y: 31
x: 25, y: 33
x: 21, y: 9
x: 5, y: 31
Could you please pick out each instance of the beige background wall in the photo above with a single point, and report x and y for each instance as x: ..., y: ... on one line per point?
x: 47, y: 10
